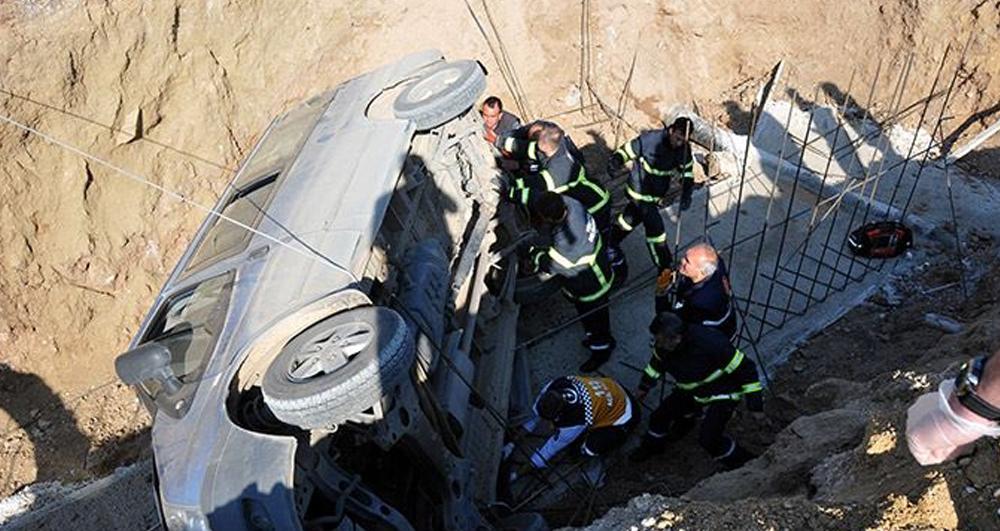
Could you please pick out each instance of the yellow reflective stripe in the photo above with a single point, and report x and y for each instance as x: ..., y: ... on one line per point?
x: 605, y: 286
x: 652, y: 373
x: 532, y: 146
x: 605, y: 196
x: 549, y: 183
x: 639, y: 197
x: 734, y: 363
x: 728, y: 369
x: 717, y: 398
x: 752, y: 388
x: 509, y: 143
x: 569, y: 264
x: 653, y: 253
x: 538, y: 258
x: 650, y: 169
x: 628, y: 150
x: 657, y: 239
x: 624, y: 224
x: 525, y: 195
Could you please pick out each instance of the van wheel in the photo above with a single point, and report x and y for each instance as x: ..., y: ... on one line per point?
x: 442, y: 92
x: 338, y: 367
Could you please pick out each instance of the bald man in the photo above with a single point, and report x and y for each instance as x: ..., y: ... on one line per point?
x: 703, y: 294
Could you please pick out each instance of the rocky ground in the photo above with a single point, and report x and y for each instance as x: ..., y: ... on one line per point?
x: 177, y: 92
x: 833, y: 449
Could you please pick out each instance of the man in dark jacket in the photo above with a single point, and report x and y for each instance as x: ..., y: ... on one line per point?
x: 712, y: 377
x: 573, y: 250
x: 497, y: 121
x: 551, y: 162
x: 656, y: 156
x: 703, y: 294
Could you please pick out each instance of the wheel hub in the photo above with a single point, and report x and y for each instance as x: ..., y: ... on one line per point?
x: 329, y: 350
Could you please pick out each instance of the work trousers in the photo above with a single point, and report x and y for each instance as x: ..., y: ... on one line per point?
x: 596, y: 319
x: 647, y: 214
x: 677, y: 415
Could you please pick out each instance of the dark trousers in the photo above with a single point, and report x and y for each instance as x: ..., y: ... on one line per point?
x: 647, y: 214
x: 596, y: 318
x: 677, y: 415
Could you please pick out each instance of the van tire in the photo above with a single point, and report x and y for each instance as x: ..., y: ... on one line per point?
x: 442, y: 92
x: 338, y: 367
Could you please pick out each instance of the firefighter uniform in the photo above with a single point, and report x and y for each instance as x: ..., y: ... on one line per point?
x: 708, y: 303
x: 562, y: 173
x: 575, y: 253
x: 654, y: 163
x: 712, y: 377
x: 598, y: 408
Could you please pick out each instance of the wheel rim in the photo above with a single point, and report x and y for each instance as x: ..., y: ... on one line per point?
x: 329, y: 350
x: 434, y: 84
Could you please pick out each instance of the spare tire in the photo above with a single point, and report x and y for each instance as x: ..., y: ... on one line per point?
x: 442, y: 92
x: 338, y: 367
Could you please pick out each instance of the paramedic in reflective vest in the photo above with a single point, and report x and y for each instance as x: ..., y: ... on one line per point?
x: 712, y: 376
x: 656, y: 157
x: 496, y: 121
x: 553, y: 163
x: 703, y: 293
x: 597, y: 409
x: 573, y: 250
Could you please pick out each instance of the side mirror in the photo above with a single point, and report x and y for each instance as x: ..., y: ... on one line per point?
x: 149, y: 361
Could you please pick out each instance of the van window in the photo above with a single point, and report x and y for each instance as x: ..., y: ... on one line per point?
x: 224, y: 238
x: 189, y: 326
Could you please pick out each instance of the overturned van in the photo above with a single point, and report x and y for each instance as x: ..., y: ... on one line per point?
x: 324, y: 355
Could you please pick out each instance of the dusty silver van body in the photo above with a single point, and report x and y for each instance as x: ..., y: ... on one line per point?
x: 341, y: 365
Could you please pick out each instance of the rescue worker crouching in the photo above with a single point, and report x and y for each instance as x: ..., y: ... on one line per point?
x: 573, y: 250
x: 703, y: 294
x: 656, y: 156
x: 596, y: 413
x: 551, y: 162
x: 712, y: 376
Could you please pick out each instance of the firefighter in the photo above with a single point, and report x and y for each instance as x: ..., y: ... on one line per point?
x: 712, y: 376
x: 551, y: 162
x: 703, y: 294
x: 496, y: 121
x: 573, y: 251
x: 656, y: 157
x: 597, y: 409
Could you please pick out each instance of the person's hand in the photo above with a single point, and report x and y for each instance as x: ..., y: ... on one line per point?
x: 664, y: 280
x: 935, y: 432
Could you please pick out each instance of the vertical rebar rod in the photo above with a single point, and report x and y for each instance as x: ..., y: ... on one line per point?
x: 850, y: 168
x: 920, y: 125
x: 822, y: 186
x: 767, y: 214
x: 894, y: 102
x: 937, y: 125
x: 754, y: 112
x: 791, y: 202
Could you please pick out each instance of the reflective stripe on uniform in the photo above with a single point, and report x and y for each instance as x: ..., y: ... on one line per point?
x: 550, y: 185
x: 569, y: 264
x: 652, y: 373
x: 532, y: 147
x: 606, y: 284
x: 657, y: 239
x: 640, y: 197
x: 509, y: 143
x: 729, y: 368
x: 754, y: 387
x: 623, y: 223
x: 648, y: 168
x: 626, y: 151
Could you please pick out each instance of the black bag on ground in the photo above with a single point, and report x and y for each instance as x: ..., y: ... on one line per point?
x: 882, y: 239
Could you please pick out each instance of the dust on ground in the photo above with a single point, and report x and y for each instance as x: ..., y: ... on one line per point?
x: 177, y: 92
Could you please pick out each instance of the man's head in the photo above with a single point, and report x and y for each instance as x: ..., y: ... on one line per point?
x: 667, y: 330
x: 550, y: 136
x: 550, y: 405
x: 679, y: 132
x: 548, y: 208
x: 699, y: 262
x: 491, y: 111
